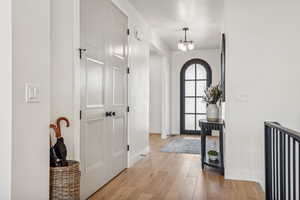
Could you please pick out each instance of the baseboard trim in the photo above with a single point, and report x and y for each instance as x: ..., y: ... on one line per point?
x: 163, y: 136
x: 154, y: 133
x: 138, y: 156
x: 244, y: 175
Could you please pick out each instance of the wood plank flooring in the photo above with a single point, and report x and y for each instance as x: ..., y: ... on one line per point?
x: 171, y: 176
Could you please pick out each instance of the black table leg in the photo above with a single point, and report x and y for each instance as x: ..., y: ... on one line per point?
x: 221, y: 150
x: 203, y: 148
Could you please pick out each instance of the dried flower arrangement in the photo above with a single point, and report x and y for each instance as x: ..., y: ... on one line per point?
x: 212, y: 94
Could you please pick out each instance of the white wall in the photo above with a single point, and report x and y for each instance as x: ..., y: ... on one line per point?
x: 65, y: 94
x: 262, y: 81
x: 138, y: 83
x: 155, y: 93
x: 31, y: 60
x: 211, y: 56
x: 164, y: 52
x: 6, y: 98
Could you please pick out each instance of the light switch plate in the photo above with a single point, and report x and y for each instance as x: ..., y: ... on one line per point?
x: 242, y: 98
x: 32, y: 93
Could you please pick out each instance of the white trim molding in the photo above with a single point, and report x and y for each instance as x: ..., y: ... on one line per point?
x: 138, y: 156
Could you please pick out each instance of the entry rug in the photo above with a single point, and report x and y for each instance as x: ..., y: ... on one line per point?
x: 180, y: 145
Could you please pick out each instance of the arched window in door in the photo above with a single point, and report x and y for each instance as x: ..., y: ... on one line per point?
x: 195, y: 77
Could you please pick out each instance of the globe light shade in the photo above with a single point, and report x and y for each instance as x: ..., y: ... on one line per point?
x: 191, y: 46
x: 184, y: 48
x: 180, y: 45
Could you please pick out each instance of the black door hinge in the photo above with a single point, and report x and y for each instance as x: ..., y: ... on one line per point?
x: 81, y: 50
x: 128, y: 31
x: 128, y: 148
x: 128, y: 70
x: 128, y: 109
x: 80, y: 115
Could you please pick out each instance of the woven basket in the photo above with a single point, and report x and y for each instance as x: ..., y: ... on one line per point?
x: 65, y: 182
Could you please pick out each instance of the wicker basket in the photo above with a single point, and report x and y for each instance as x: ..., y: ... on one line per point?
x: 65, y: 182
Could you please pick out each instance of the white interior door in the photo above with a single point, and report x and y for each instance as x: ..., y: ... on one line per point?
x: 118, y: 61
x: 103, y: 94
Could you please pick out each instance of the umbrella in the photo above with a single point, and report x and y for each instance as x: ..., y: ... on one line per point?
x: 60, y: 147
x: 54, y: 160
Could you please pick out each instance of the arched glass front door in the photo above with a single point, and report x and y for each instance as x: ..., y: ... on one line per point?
x: 195, y: 77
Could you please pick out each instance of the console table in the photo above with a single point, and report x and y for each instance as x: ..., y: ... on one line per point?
x: 206, y: 128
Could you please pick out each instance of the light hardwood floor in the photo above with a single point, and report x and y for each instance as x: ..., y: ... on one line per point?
x: 171, y: 176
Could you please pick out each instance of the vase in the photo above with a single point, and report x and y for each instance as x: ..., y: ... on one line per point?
x: 213, y: 158
x: 212, y: 113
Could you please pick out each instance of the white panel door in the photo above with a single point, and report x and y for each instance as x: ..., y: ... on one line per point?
x: 94, y: 77
x: 118, y: 62
x: 103, y: 94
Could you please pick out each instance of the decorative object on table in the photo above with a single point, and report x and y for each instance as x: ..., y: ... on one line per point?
x: 211, y: 97
x: 65, y: 182
x: 223, y: 66
x: 213, y: 155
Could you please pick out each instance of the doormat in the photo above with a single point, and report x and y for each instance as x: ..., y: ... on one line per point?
x: 180, y: 145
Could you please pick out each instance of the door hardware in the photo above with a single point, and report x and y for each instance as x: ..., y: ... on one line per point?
x: 81, y: 50
x: 108, y: 114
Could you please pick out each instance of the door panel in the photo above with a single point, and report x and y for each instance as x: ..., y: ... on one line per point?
x: 189, y: 122
x: 119, y: 151
x: 94, y: 24
x: 95, y: 83
x: 103, y: 89
x: 119, y: 81
x: 119, y: 36
x: 118, y: 61
x: 94, y: 153
x: 118, y: 136
x: 93, y: 147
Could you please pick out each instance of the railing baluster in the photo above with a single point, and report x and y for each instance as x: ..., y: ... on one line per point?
x: 294, y: 169
x: 268, y: 160
x: 273, y: 163
x: 289, y: 167
x: 276, y: 148
x: 282, y: 163
x: 298, y: 169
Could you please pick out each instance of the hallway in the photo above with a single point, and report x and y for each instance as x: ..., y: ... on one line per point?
x: 174, y: 177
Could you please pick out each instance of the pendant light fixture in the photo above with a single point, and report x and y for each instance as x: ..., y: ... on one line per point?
x: 185, y: 45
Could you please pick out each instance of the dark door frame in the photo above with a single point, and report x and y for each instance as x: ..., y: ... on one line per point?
x: 182, y: 90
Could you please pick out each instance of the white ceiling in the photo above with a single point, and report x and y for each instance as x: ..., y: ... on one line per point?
x: 168, y: 17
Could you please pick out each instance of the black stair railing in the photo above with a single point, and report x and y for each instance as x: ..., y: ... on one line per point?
x: 282, y: 162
